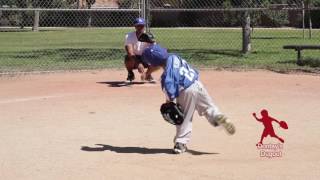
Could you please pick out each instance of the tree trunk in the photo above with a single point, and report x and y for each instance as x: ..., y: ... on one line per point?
x: 90, y: 16
x: 36, y: 21
x: 310, y: 25
x: 246, y: 33
x: 23, y: 16
x: 303, y: 20
x: 310, y: 20
x: 90, y: 20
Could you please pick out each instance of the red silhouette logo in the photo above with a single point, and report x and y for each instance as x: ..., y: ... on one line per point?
x: 268, y: 126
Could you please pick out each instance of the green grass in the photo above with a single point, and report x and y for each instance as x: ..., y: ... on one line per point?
x: 80, y: 48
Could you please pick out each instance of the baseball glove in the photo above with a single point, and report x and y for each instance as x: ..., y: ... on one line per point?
x: 172, y: 113
x: 283, y: 124
x: 147, y: 37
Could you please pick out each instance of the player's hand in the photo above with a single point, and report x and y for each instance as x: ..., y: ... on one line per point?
x: 140, y: 68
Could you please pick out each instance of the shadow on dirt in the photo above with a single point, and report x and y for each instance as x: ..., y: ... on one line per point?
x: 136, y: 150
x: 121, y: 83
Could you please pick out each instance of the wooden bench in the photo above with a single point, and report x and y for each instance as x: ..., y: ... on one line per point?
x: 299, y: 48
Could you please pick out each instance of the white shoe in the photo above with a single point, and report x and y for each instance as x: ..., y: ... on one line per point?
x: 179, y: 148
x: 221, y: 120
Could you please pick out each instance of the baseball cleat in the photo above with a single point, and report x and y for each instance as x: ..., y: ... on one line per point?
x: 130, y: 77
x: 221, y: 120
x: 179, y: 148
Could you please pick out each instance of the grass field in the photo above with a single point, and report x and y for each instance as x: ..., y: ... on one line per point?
x: 75, y: 48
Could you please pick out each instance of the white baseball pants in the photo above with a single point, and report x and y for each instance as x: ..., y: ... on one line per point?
x: 194, y: 98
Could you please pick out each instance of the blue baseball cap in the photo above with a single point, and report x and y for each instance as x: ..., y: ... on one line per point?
x: 139, y: 21
x: 155, y: 55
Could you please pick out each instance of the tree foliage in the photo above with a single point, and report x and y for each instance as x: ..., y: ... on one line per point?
x: 90, y: 3
x: 127, y: 4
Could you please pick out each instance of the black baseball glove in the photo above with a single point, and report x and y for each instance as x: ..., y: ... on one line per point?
x: 147, y: 37
x: 172, y: 113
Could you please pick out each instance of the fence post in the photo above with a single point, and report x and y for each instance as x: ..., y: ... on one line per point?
x: 140, y: 8
x: 147, y: 14
x: 303, y: 20
x: 36, y: 21
x: 246, y: 33
x: 143, y: 9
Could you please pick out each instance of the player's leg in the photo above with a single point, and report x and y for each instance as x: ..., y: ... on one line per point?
x: 187, y: 100
x: 207, y: 108
x: 205, y: 105
x: 279, y: 138
x: 149, y: 72
x: 261, y: 140
x: 140, y: 66
x: 130, y: 66
x: 264, y: 134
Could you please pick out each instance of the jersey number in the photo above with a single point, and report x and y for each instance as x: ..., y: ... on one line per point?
x: 189, y: 74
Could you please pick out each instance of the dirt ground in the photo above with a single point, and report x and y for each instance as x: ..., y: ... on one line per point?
x: 89, y: 125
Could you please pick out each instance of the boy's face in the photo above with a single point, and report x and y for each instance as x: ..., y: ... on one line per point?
x: 139, y: 28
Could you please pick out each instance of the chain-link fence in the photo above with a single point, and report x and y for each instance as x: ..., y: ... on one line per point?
x: 86, y: 34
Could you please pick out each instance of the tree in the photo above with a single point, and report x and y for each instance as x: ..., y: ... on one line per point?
x: 309, y: 4
x: 89, y: 4
x: 23, y: 15
x: 9, y: 3
x: 128, y: 4
x: 41, y: 3
x: 52, y: 3
x: 201, y: 3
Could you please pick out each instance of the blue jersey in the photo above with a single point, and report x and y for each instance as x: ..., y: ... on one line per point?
x: 177, y: 76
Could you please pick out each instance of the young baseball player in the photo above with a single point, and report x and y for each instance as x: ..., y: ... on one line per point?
x: 180, y: 82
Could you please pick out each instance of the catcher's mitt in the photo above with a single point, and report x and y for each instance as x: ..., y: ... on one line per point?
x: 147, y: 37
x: 283, y: 124
x: 172, y: 113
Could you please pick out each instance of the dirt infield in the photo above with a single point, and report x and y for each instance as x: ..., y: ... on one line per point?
x: 89, y: 125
